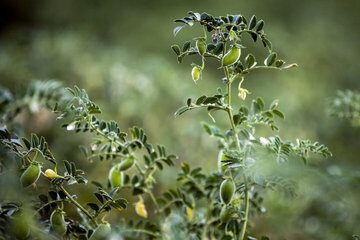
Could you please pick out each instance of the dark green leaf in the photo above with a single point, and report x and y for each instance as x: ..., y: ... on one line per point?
x: 250, y: 61
x: 270, y: 60
x: 278, y: 113
x: 259, y: 26
x: 186, y: 46
x: 93, y: 206
x: 176, y: 49
x: 252, y: 22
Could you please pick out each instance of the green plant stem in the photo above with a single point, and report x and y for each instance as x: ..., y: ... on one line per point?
x: 170, y: 203
x: 243, y: 229
x: 78, y: 205
x: 153, y: 199
x: 208, y: 214
x: 143, y: 231
x: 246, y: 215
x: 229, y: 109
x: 47, y: 204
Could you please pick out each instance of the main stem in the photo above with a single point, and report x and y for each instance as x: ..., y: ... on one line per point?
x: 234, y: 129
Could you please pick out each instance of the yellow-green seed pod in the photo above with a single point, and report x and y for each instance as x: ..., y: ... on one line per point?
x: 225, y: 215
x: 116, y: 177
x: 102, y: 232
x: 231, y: 56
x: 196, y: 73
x: 140, y: 208
x: 126, y: 164
x: 50, y: 174
x: 227, y: 189
x: 201, y: 46
x: 30, y: 175
x: 58, y: 222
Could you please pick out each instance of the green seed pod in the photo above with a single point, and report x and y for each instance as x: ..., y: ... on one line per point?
x: 30, y: 175
x: 201, y: 46
x: 20, y: 225
x: 126, y: 164
x: 231, y: 56
x: 102, y: 232
x: 227, y: 189
x: 58, y: 222
x: 225, y: 215
x: 196, y: 73
x: 115, y: 177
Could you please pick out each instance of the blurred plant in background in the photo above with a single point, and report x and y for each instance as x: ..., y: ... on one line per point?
x: 346, y: 106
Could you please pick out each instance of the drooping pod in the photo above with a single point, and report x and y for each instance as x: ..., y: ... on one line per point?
x: 58, y: 222
x: 102, y: 232
x: 227, y: 189
x: 30, y: 175
x: 231, y: 57
x: 225, y: 214
x: 20, y: 225
x: 126, y: 164
x: 196, y: 73
x: 201, y: 46
x: 116, y: 177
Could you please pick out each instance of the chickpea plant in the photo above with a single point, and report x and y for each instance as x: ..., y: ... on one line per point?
x: 111, y: 143
x: 232, y: 192
x: 216, y: 205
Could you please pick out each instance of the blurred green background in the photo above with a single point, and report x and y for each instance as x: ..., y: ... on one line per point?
x: 119, y: 51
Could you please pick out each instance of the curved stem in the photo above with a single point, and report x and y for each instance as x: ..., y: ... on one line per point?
x: 143, y: 231
x: 148, y: 190
x: 246, y: 216
x: 47, y: 204
x: 229, y: 108
x: 153, y: 199
x: 208, y: 215
x: 78, y: 205
x: 170, y: 203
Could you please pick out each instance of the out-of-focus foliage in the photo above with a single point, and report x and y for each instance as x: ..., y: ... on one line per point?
x: 32, y: 154
x: 346, y: 106
x: 119, y: 52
